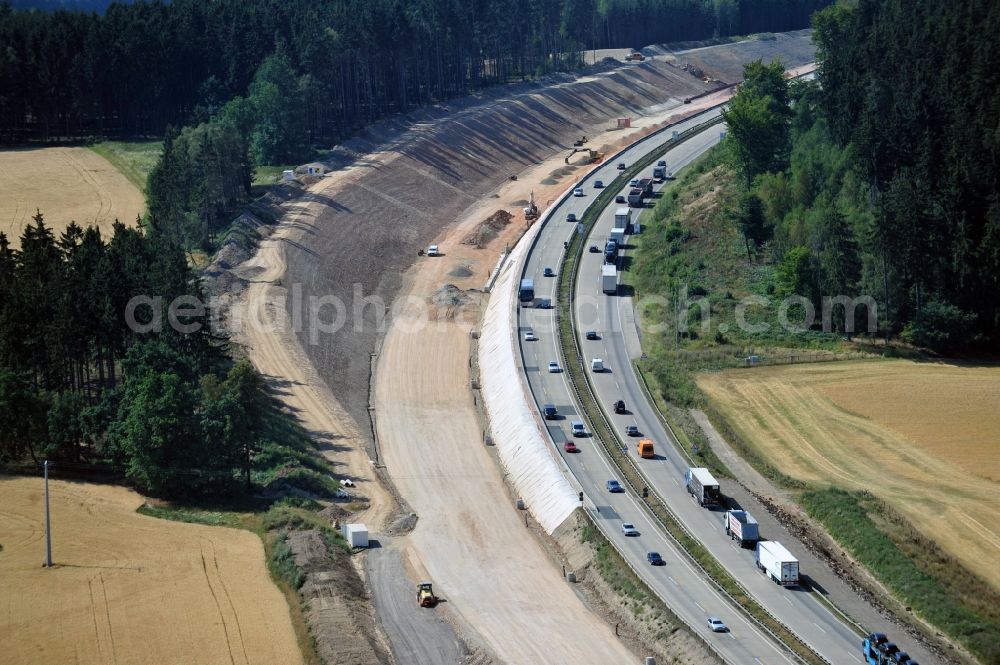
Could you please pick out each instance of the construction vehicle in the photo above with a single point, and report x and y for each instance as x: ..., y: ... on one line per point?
x: 425, y: 595
x: 579, y: 142
x: 531, y: 210
x: 645, y: 449
x: 593, y: 157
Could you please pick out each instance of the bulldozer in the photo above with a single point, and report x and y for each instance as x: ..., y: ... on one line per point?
x: 425, y: 595
x: 531, y: 210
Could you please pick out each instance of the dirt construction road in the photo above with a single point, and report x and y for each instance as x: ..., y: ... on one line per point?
x: 127, y: 588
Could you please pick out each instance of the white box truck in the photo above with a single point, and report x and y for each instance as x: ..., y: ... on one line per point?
x: 356, y: 535
x: 702, y: 486
x: 777, y: 563
x: 618, y: 235
x: 623, y: 217
x: 609, y: 279
x: 742, y: 527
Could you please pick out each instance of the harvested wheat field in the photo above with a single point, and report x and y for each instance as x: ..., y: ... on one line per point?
x: 924, y: 436
x: 127, y: 588
x: 66, y: 184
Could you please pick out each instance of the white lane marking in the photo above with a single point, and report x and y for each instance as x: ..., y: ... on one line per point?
x: 818, y: 626
x: 701, y: 608
x: 676, y: 482
x: 786, y: 599
x: 730, y: 633
x: 673, y: 580
x: 853, y: 656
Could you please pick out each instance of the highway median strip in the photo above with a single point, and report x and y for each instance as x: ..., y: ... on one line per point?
x: 573, y: 362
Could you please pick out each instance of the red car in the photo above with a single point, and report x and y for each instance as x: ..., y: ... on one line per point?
x: 570, y: 447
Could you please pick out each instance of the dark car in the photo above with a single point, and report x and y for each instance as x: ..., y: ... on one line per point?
x: 592, y: 334
x: 615, y: 487
x: 544, y: 303
x: 620, y: 198
x: 621, y: 166
x: 571, y: 217
x: 550, y: 412
x: 594, y: 249
x: 632, y: 430
x: 620, y: 406
x: 548, y: 272
x: 655, y: 559
x: 598, y: 184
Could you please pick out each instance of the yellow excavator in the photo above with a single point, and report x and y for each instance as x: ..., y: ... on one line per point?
x: 425, y: 595
x: 592, y: 158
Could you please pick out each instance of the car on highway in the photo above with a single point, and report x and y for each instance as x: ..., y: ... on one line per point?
x: 629, y: 529
x: 634, y: 182
x: 578, y: 191
x: 554, y: 367
x: 620, y: 406
x: 594, y: 249
x: 615, y: 487
x: 550, y: 412
x: 548, y: 272
x: 621, y: 166
x: 544, y: 303
x: 655, y: 559
x: 570, y: 447
x: 578, y: 428
x: 592, y: 334
x: 529, y: 336
x: 598, y: 184
x: 620, y: 198
x: 632, y: 430
x: 571, y: 217
x: 716, y: 626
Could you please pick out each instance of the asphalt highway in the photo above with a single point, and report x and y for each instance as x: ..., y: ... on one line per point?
x: 688, y: 594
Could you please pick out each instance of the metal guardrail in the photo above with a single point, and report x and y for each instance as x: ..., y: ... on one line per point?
x: 650, y: 158
x: 624, y: 557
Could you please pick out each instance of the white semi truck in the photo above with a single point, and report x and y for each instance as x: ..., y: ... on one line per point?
x: 777, y: 563
x: 742, y: 527
x: 609, y: 279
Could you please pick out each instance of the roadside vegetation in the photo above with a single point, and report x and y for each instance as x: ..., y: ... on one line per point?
x: 134, y: 159
x: 819, y: 190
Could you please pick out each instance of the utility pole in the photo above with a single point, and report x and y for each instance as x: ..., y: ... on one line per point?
x: 48, y: 523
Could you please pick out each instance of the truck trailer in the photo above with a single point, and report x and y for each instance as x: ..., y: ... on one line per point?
x: 609, y: 279
x: 777, y: 563
x: 526, y: 293
x: 646, y: 185
x: 635, y: 197
x: 618, y: 235
x: 659, y: 173
x: 623, y: 218
x: 742, y: 527
x: 702, y: 486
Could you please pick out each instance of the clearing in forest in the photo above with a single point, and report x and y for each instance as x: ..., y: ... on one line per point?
x: 922, y: 436
x: 127, y: 588
x: 66, y: 184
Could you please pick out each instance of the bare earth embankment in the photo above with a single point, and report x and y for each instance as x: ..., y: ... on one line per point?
x: 66, y: 184
x: 922, y: 436
x: 127, y: 588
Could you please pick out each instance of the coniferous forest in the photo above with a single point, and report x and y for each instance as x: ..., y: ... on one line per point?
x: 137, y: 68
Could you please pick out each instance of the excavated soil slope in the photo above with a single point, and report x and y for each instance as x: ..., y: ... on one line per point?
x: 416, y: 178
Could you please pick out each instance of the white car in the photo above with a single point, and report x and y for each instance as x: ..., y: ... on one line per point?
x: 716, y: 625
x: 529, y: 336
x: 554, y: 367
x: 433, y: 251
x: 629, y: 529
x: 578, y: 191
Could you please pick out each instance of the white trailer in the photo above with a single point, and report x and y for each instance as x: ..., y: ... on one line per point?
x: 702, y: 486
x: 618, y: 235
x: 742, y: 527
x: 609, y: 279
x: 355, y: 534
x: 623, y: 217
x: 777, y: 563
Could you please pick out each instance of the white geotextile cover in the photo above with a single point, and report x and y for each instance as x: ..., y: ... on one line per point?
x: 520, y: 439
